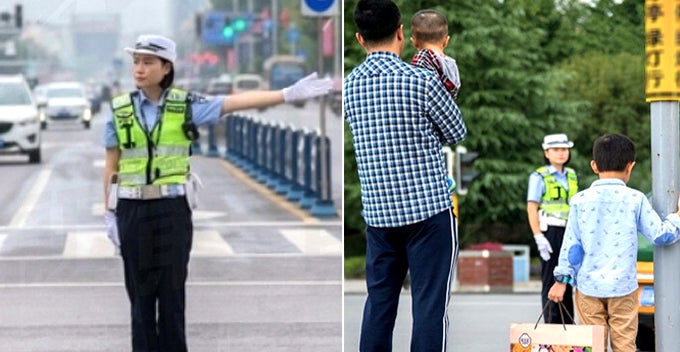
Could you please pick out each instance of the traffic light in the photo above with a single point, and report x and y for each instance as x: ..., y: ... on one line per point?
x: 233, y: 26
x: 464, y: 173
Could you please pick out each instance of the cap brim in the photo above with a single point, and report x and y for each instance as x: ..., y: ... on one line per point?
x: 141, y: 51
x: 558, y: 145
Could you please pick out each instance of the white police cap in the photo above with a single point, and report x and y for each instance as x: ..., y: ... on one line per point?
x: 157, y: 45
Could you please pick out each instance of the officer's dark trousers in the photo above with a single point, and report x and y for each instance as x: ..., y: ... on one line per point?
x: 429, y: 249
x: 156, y: 239
x: 555, y: 235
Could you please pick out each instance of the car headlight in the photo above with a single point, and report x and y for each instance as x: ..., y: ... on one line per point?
x: 28, y: 121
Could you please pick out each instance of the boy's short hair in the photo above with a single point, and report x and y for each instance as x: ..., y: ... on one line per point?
x: 377, y: 20
x: 429, y: 26
x: 612, y: 152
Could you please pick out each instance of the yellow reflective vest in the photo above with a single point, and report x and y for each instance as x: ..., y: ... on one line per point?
x: 555, y: 200
x: 160, y: 156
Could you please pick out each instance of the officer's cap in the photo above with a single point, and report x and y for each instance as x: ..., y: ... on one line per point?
x: 157, y: 45
x: 558, y: 140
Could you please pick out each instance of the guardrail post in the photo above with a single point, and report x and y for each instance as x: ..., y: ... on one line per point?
x: 324, y: 206
x: 284, y: 160
x: 308, y: 157
x: 297, y: 163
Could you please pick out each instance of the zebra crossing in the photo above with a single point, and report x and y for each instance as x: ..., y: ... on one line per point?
x: 221, y: 241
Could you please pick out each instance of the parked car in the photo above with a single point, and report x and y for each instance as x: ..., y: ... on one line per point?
x: 19, y: 126
x: 247, y: 81
x: 64, y: 101
x: 219, y: 86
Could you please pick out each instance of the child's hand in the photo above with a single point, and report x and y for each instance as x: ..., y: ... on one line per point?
x: 556, y: 293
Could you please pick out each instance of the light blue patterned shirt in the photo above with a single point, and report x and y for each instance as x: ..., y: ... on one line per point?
x: 601, y: 239
x: 399, y: 116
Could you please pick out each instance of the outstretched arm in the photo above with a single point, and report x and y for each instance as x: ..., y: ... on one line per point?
x: 306, y: 88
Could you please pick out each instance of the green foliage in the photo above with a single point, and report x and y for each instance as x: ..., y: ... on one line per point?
x: 529, y: 68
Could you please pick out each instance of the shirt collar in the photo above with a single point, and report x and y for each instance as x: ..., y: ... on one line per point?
x: 608, y: 181
x: 382, y: 54
x: 553, y: 170
x: 143, y: 99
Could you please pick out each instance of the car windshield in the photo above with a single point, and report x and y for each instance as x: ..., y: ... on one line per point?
x: 64, y: 93
x: 249, y: 84
x: 14, y: 94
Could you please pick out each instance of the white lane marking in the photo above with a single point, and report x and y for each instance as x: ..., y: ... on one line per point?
x: 95, y: 244
x: 87, y: 244
x: 210, y: 244
x: 3, y: 236
x: 99, y: 163
x: 189, y: 283
x: 19, y: 219
x: 196, y: 224
x: 313, y: 241
x: 97, y: 209
x: 199, y: 215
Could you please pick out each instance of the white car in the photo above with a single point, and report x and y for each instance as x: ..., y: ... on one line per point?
x: 64, y: 101
x: 19, y: 127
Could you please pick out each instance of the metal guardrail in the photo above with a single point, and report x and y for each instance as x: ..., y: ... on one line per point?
x: 287, y: 160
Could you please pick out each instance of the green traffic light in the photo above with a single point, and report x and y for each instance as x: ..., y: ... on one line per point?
x: 240, y: 25
x: 228, y: 32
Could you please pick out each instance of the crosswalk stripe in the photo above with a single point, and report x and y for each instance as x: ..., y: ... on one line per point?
x: 3, y: 236
x: 95, y: 244
x: 313, y: 241
x: 210, y: 244
x: 87, y: 244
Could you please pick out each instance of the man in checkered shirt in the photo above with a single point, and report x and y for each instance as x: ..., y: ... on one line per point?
x: 399, y: 116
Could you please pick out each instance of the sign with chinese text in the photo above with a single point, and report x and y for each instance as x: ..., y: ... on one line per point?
x: 662, y: 50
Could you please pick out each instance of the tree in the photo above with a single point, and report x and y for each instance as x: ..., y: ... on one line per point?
x: 530, y: 68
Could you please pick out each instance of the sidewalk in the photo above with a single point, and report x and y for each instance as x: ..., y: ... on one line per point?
x: 354, y: 286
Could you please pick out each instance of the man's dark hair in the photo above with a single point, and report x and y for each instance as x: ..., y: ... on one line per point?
x: 377, y: 20
x: 429, y: 26
x: 612, y: 152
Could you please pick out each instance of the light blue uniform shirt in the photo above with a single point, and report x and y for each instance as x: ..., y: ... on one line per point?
x: 601, y: 239
x: 537, y: 185
x: 205, y: 110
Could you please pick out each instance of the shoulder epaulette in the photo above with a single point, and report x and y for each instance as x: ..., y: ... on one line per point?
x: 121, y: 100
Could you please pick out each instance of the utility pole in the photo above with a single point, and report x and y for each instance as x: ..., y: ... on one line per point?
x: 663, y: 94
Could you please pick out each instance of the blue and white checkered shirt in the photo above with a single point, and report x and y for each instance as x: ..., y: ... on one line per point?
x: 399, y: 116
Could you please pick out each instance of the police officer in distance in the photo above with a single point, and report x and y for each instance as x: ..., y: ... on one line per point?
x: 148, y: 187
x: 550, y: 188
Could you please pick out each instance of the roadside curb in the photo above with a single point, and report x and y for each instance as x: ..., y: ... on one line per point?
x: 356, y: 286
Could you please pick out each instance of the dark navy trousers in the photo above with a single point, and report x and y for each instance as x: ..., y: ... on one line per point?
x: 429, y: 250
x: 555, y: 235
x: 156, y: 238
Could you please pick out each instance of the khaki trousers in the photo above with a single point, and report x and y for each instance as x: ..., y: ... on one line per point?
x: 619, y: 315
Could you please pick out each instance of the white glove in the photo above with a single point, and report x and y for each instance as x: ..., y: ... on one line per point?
x: 544, y: 247
x: 308, y: 87
x: 112, y: 229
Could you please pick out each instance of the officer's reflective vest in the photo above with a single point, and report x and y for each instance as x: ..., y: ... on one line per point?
x: 555, y: 200
x: 158, y: 157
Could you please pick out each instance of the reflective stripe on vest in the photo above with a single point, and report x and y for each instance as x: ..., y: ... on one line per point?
x: 555, y: 200
x: 159, y: 157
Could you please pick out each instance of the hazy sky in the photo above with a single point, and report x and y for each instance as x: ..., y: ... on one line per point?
x: 136, y: 15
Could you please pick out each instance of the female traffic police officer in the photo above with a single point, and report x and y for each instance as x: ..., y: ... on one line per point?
x: 147, y: 142
x: 550, y: 188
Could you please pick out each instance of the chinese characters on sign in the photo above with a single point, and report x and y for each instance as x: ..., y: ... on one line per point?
x: 662, y: 50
